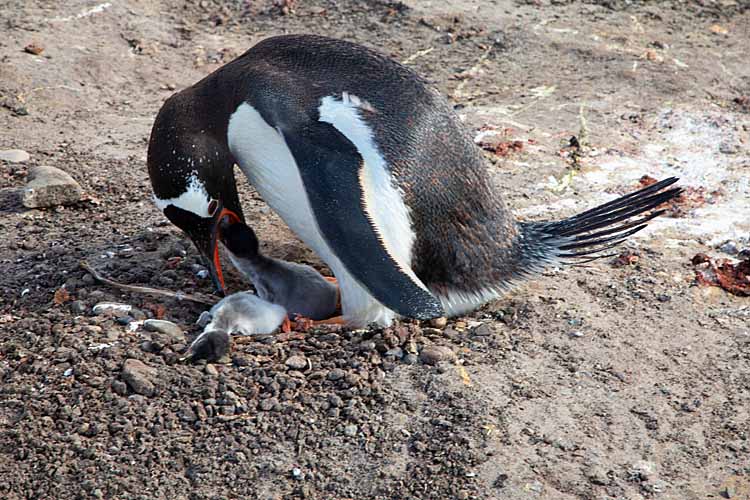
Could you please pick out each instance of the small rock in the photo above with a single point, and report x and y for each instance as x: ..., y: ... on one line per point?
x: 119, y: 387
x: 336, y: 374
x: 49, y: 187
x: 432, y: 355
x: 211, y: 370
x: 439, y: 322
x: 68, y: 372
x: 335, y: 401
x: 350, y: 430
x: 396, y: 353
x: 657, y: 486
x: 482, y: 330
x: 124, y: 320
x: 296, y: 362
x: 267, y: 404
x: 137, y: 314
x: 14, y: 155
x: 644, y: 470
x: 139, y: 376
x: 410, y: 359
x: 77, y: 307
x: 297, y: 473
x: 729, y: 148
x: 165, y: 327
x: 447, y: 38
x: 729, y: 247
x: 576, y: 334
x: 535, y: 486
x: 597, y: 475
x: 33, y: 48
x: 111, y: 307
x: 729, y: 491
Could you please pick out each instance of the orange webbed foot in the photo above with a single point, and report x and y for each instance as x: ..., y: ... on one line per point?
x: 286, y: 325
x: 303, y: 324
x: 336, y: 320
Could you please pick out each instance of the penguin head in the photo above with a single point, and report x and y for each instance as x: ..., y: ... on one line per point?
x: 239, y: 238
x: 192, y: 176
x: 204, y: 233
x: 211, y: 345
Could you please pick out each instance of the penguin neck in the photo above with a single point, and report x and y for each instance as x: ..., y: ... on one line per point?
x: 255, y: 268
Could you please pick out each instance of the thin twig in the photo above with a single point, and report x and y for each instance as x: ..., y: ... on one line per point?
x: 470, y: 73
x: 417, y: 55
x: 198, y: 298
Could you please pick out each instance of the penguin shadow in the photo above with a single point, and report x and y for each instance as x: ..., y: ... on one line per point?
x: 10, y: 200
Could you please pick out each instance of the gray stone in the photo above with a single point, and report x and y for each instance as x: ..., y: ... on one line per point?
x: 268, y: 404
x: 77, y: 307
x: 729, y: 247
x: 296, y: 362
x: 14, y: 155
x: 350, y: 430
x: 113, y: 308
x: 49, y: 187
x: 335, y: 401
x: 432, y: 355
x: 597, y: 475
x: 166, y: 327
x: 336, y: 374
x: 439, y: 322
x: 643, y: 470
x: 482, y: 330
x: 410, y: 359
x: 139, y: 376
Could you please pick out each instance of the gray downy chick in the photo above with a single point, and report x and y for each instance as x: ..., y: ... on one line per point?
x: 241, y: 313
x: 300, y: 289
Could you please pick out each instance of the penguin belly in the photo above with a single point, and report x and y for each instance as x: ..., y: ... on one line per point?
x: 269, y: 165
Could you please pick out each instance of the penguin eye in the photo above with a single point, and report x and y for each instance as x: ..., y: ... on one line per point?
x: 212, y: 206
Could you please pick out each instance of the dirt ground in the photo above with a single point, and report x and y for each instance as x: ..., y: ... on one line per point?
x: 596, y: 382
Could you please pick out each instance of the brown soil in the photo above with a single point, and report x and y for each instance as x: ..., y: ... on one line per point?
x: 602, y: 382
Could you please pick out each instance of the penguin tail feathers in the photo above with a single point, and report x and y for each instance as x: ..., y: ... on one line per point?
x: 589, y: 235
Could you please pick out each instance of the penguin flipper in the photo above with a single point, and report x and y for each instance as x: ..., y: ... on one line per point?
x: 331, y: 170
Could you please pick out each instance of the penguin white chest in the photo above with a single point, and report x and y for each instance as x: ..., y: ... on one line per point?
x: 266, y: 160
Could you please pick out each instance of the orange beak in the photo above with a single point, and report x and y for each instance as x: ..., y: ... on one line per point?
x: 217, y: 275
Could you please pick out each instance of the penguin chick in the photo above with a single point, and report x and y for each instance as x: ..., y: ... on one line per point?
x: 300, y: 289
x: 241, y: 313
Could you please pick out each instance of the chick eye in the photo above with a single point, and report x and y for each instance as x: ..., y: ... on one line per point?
x: 212, y: 206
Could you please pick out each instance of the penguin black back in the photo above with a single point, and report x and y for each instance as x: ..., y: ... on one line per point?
x: 429, y: 152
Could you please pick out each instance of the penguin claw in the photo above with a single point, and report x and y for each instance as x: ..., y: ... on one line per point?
x: 286, y: 325
x: 304, y: 324
x: 336, y: 320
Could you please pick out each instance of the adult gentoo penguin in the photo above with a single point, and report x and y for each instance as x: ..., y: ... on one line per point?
x: 372, y: 169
